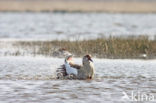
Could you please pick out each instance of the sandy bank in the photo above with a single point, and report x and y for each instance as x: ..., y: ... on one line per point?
x: 79, y: 6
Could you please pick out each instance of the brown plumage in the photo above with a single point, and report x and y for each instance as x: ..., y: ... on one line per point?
x: 85, y: 71
x: 75, y: 65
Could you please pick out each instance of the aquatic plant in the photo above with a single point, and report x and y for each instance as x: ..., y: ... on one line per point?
x: 112, y: 47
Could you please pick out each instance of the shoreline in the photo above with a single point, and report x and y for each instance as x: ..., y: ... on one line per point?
x: 78, y: 6
x: 110, y: 48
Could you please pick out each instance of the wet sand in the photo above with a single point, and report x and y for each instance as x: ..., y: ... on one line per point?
x: 79, y: 6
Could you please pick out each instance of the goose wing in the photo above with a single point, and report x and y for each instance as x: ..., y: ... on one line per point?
x: 76, y: 66
x: 61, y: 71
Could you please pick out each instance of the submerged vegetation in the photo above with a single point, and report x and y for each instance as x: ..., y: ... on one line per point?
x: 112, y: 47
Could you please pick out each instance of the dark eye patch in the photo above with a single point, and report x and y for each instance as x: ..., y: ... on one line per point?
x: 88, y: 56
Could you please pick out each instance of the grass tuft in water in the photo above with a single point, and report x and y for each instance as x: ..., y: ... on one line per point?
x: 112, y: 47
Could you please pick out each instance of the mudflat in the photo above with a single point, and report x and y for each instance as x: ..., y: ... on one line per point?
x: 78, y: 6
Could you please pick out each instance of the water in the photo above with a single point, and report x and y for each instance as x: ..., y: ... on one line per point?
x: 74, y: 25
x: 31, y: 80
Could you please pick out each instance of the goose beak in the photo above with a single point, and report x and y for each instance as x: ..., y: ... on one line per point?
x: 90, y: 60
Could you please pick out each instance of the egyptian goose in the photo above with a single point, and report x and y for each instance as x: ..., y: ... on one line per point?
x: 84, y: 71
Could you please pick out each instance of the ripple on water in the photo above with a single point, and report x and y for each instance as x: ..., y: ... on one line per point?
x: 35, y: 84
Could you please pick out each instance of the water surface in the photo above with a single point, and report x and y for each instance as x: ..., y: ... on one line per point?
x: 28, y: 79
x: 74, y: 25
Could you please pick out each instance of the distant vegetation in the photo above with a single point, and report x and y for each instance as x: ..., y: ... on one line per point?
x: 112, y: 47
x: 131, y: 6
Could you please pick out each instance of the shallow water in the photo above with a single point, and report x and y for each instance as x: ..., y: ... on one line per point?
x: 74, y: 25
x: 28, y: 79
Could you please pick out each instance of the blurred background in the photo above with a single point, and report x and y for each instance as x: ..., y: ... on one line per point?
x: 76, y: 19
x: 41, y: 25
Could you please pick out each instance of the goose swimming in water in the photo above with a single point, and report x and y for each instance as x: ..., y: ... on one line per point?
x: 87, y: 70
x: 84, y: 71
x: 69, y: 66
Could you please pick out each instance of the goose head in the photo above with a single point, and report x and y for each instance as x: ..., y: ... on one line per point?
x: 69, y: 59
x: 87, y: 59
